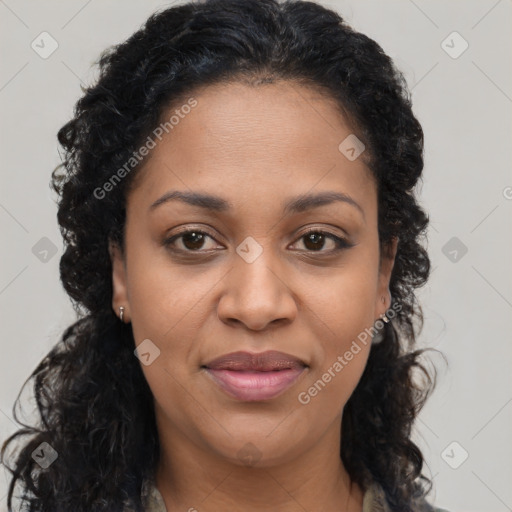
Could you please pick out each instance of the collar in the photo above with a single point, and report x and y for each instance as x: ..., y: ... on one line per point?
x: 374, y: 500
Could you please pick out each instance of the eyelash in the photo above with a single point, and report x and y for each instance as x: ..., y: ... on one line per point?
x: 341, y: 243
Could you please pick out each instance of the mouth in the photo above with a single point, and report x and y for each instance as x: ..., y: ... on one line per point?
x: 255, y: 377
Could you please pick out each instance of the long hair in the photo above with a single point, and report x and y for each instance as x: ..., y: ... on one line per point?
x: 95, y: 406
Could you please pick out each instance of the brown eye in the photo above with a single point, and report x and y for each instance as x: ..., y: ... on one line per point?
x: 315, y: 240
x: 192, y: 240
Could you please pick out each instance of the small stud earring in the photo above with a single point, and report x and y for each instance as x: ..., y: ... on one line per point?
x: 121, y: 313
x: 378, y: 336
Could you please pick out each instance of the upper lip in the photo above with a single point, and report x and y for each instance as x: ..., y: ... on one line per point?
x: 262, y: 361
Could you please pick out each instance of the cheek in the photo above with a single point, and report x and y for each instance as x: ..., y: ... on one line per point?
x: 164, y: 297
x: 344, y: 304
x: 168, y: 305
x: 342, y: 313
x: 335, y: 376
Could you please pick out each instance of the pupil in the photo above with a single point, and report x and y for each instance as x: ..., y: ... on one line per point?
x: 193, y: 238
x: 315, y: 238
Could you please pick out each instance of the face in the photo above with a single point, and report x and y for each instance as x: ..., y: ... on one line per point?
x: 252, y: 270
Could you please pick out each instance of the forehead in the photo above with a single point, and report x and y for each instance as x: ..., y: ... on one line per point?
x: 263, y: 139
x: 282, y: 115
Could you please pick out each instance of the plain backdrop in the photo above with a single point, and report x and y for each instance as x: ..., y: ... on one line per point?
x: 456, y: 57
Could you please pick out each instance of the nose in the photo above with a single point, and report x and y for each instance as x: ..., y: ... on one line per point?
x: 257, y: 294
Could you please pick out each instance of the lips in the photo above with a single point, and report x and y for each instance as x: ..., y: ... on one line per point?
x: 255, y: 377
x: 268, y: 361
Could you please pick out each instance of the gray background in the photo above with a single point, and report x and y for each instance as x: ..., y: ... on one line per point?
x: 464, y: 105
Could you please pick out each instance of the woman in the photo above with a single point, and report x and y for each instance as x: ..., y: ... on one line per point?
x: 242, y: 243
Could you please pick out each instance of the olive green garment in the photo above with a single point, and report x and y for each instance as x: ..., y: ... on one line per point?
x: 374, y: 500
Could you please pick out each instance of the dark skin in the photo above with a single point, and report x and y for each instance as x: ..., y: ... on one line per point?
x: 255, y: 147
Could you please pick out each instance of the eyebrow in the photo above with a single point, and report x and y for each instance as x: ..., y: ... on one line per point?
x: 295, y: 205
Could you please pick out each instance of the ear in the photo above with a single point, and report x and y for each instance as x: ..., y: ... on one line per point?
x: 119, y: 288
x: 387, y: 262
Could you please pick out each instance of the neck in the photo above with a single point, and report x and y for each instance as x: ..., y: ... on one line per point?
x: 192, y: 478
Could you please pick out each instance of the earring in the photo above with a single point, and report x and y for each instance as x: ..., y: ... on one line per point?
x: 121, y: 313
x: 378, y: 337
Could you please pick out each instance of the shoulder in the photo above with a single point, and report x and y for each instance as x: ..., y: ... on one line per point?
x: 152, y: 500
x: 375, y: 501
x: 151, y: 497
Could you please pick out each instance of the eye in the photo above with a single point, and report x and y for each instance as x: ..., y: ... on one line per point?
x: 315, y: 240
x: 191, y: 240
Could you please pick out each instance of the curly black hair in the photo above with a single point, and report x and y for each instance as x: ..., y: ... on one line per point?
x: 95, y: 406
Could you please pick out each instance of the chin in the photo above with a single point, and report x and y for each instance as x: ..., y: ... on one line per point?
x: 258, y: 441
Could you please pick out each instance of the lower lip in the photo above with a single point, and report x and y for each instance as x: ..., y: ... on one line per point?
x: 254, y: 386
